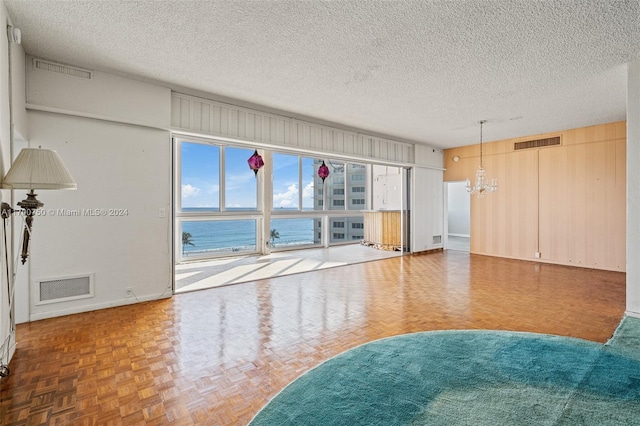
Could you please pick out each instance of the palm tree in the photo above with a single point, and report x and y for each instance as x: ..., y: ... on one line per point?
x: 274, y: 235
x: 186, y: 241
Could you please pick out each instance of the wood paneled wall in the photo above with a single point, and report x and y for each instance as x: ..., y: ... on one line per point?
x: 566, y: 202
x: 209, y: 117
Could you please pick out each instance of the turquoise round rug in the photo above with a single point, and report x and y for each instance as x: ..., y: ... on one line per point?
x: 465, y: 378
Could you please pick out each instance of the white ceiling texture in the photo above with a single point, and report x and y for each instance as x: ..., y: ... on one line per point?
x: 423, y: 71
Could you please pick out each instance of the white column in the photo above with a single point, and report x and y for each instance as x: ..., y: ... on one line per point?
x: 633, y: 189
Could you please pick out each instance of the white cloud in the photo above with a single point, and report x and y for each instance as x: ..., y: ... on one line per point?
x: 212, y: 189
x: 189, y: 191
x: 288, y: 198
x: 307, y: 192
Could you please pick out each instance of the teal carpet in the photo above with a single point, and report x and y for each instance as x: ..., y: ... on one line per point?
x: 470, y: 378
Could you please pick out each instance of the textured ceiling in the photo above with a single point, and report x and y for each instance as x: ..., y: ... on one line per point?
x: 425, y: 71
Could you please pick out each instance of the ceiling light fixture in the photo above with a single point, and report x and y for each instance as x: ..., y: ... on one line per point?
x: 482, y: 184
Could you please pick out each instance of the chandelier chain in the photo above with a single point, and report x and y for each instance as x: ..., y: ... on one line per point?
x: 483, y: 184
x: 481, y: 123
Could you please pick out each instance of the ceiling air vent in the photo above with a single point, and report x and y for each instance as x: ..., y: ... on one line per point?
x: 538, y: 143
x: 41, y: 64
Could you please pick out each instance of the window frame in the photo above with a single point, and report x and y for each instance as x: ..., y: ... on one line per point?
x: 222, y: 181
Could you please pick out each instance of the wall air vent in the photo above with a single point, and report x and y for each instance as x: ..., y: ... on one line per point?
x: 41, y: 64
x: 538, y: 143
x: 437, y: 239
x: 64, y: 289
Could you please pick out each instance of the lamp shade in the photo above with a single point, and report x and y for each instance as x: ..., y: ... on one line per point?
x: 36, y: 168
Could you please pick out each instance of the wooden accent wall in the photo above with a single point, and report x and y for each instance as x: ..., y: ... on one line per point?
x: 566, y: 202
x: 382, y: 229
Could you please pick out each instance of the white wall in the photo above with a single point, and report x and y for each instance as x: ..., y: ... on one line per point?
x: 5, y: 327
x: 427, y: 215
x: 109, y: 132
x: 458, y: 209
x: 428, y: 156
x: 105, y: 96
x: 633, y: 189
x: 116, y: 166
x: 16, y: 119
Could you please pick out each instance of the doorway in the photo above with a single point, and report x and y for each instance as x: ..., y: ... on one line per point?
x: 457, y: 217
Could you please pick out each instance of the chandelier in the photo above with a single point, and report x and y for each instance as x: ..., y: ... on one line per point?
x: 482, y: 184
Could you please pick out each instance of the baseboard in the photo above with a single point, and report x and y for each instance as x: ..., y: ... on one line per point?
x: 435, y: 250
x: 98, y: 306
x: 459, y: 235
x: 632, y: 314
x: 548, y: 262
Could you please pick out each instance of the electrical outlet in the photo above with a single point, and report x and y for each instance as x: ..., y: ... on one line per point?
x: 537, y: 255
x: 128, y: 292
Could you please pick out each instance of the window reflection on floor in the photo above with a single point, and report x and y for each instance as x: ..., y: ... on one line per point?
x: 234, y: 270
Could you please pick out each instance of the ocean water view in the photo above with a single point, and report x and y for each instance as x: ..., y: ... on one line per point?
x: 240, y: 235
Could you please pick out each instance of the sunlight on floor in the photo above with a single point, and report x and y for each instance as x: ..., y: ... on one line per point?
x: 233, y: 270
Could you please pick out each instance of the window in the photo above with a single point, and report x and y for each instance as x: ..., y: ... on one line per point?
x: 240, y: 183
x: 335, y: 185
x: 286, y: 179
x: 202, y: 238
x: 215, y: 179
x: 201, y: 183
x: 308, y: 183
x: 293, y: 232
x: 218, y: 201
x: 294, y: 183
x: 199, y: 177
x: 356, y: 173
x: 346, y: 229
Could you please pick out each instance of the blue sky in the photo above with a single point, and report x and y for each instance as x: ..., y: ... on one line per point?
x: 200, y: 182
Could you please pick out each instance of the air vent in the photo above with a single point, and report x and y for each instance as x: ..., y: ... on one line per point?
x: 538, y: 143
x: 437, y: 239
x: 62, y: 69
x: 64, y: 289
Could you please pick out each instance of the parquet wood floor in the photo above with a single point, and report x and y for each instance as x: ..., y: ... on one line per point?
x: 215, y: 357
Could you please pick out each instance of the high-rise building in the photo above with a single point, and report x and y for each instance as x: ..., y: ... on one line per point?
x: 344, y: 189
